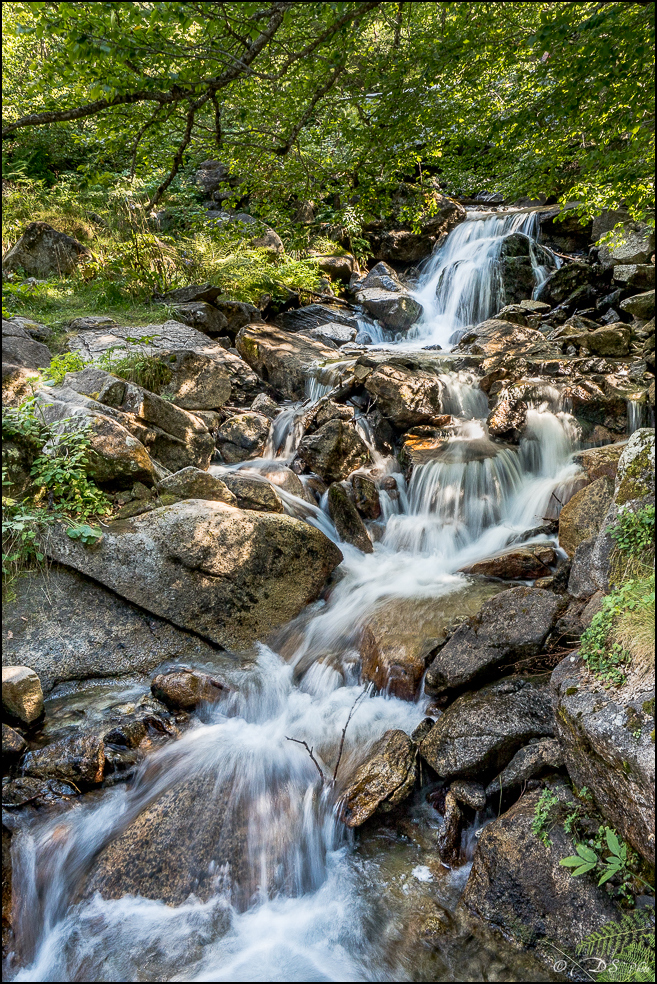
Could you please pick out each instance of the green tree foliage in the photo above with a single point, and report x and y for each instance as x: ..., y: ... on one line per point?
x: 524, y: 98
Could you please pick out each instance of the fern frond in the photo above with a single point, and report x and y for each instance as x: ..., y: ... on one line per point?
x: 632, y: 929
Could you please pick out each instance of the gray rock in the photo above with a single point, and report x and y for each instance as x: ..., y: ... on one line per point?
x: 470, y: 793
x: 349, y: 525
x: 640, y: 306
x: 279, y: 358
x: 13, y: 743
x: 230, y: 576
x: 515, y: 313
x: 384, y: 780
x: 518, y: 564
x: 338, y: 267
x: 495, y: 337
x: 512, y: 625
x: 66, y: 627
x: 583, y: 515
x: 334, y: 451
x: 265, y: 405
x: 253, y: 493
x: 481, y: 731
x: 202, y: 316
x: 635, y: 244
x: 366, y: 496
x: 532, y: 760
x: 207, y: 293
x: 333, y: 332
x: 19, y: 349
x: 607, y: 745
x: 42, y: 252
x: 242, y: 437
x: 315, y: 315
x: 641, y: 275
x: 518, y: 887
x: 395, y: 309
x: 270, y: 241
x: 612, y: 340
x: 406, y: 397
x: 448, y: 840
x: 22, y: 696
x: 193, y: 483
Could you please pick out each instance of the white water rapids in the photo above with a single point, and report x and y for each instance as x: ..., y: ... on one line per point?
x: 311, y: 905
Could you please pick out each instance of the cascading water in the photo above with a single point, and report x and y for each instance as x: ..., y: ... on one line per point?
x: 283, y: 895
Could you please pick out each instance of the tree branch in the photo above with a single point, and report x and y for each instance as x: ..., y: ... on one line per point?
x: 310, y: 752
x: 344, y: 732
x: 321, y: 92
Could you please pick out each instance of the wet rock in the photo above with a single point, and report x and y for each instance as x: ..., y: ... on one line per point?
x: 242, y: 437
x: 607, y: 745
x: 481, y: 731
x: 398, y: 640
x: 611, y: 340
x: 13, y: 743
x: 27, y: 790
x: 508, y: 420
x: 226, y: 574
x: 561, y: 284
x: 186, y: 689
x: 591, y: 404
x: 78, y: 759
x: 383, y: 781
x: 533, y: 760
x: 176, y: 846
x: 334, y: 451
x: 520, y: 564
x: 448, y: 840
x: 43, y: 252
x: 280, y: 358
x: 512, y: 625
x: 601, y: 462
x: 518, y: 887
x: 328, y: 410
x: 332, y: 333
x: 401, y: 244
x: 202, y: 316
x: 265, y: 405
x: 366, y: 496
x: 253, y: 493
x: 635, y: 244
x: 22, y: 696
x: 583, y: 515
x: 349, y: 525
x: 470, y: 793
x: 422, y: 730
x: 641, y: 306
x: 494, y: 338
x: 67, y: 627
x: 193, y: 483
x: 395, y: 309
x: 406, y: 397
x: 516, y: 258
x: 315, y: 315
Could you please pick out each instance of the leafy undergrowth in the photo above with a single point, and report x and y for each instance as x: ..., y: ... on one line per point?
x: 621, y: 636
x: 45, y: 481
x: 133, y: 260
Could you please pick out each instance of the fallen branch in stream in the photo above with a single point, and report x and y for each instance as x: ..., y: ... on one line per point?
x: 299, y: 741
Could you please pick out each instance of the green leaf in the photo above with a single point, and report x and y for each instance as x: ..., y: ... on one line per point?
x: 585, y: 852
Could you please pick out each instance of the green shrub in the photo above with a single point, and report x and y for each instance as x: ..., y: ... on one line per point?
x: 60, y: 365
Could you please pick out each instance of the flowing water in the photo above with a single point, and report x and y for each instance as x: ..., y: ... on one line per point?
x: 308, y: 903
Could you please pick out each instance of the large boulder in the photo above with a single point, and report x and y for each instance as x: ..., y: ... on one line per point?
x: 405, y: 396
x: 512, y: 625
x: 44, y: 252
x: 535, y: 759
x: 508, y: 420
x: 481, y: 731
x: 561, y: 284
x: 396, y: 242
x: 518, y: 887
x: 601, y: 462
x: 638, y: 275
x: 350, y: 527
x: 202, y: 375
x: 384, y: 780
x: 337, y: 266
x: 230, y: 576
x: 607, y: 737
x: 185, y: 689
x: 611, y: 340
x: 583, y: 515
x: 398, y: 639
x: 315, y: 315
x: 333, y: 451
x: 517, y: 564
x: 333, y: 333
x: 641, y: 306
x: 203, y: 316
x: 66, y: 627
x: 281, y: 359
x: 194, y: 483
x: 253, y: 492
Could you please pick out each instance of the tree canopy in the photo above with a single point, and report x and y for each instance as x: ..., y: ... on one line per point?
x: 521, y: 98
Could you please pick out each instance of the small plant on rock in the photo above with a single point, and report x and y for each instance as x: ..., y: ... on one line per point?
x: 543, y: 816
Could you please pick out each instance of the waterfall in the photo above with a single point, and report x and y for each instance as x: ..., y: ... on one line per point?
x: 297, y: 902
x: 461, y: 283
